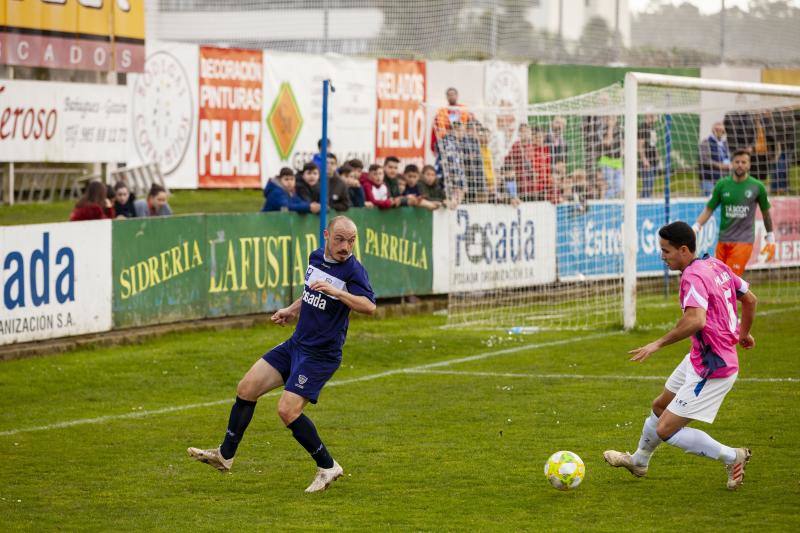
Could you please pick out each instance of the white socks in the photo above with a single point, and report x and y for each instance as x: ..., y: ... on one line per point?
x: 700, y: 443
x: 648, y: 442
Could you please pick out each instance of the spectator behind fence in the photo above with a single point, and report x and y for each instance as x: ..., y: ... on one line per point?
x: 472, y: 160
x: 556, y: 142
x: 484, y: 138
x: 317, y: 159
x: 543, y: 186
x: 649, y: 158
x: 506, y: 191
x: 338, y: 195
x: 715, y: 158
x: 280, y: 195
x: 123, y: 201
x: 94, y: 204
x: 307, y: 183
x: 155, y: 205
x: 445, y: 117
x: 520, y: 160
x: 430, y: 186
x: 375, y: 190
x: 453, y: 175
x: 391, y: 175
x: 411, y: 178
x: 610, y: 162
x: 786, y: 135
x: 353, y: 179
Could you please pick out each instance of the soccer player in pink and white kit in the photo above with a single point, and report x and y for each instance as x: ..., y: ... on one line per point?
x: 698, y: 385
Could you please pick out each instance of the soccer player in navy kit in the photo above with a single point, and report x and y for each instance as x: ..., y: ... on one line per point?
x: 335, y: 283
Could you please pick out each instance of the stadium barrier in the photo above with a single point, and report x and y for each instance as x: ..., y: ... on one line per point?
x: 74, y: 278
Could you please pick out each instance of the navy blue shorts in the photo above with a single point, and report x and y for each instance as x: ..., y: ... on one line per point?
x: 303, y: 373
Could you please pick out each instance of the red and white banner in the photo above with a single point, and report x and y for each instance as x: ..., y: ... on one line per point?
x: 400, y: 125
x: 229, y: 126
x: 63, y: 122
x: 785, y: 213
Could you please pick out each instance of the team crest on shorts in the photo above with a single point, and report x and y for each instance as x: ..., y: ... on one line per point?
x: 301, y: 379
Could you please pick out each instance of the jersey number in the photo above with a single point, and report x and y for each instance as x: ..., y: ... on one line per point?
x: 731, y: 311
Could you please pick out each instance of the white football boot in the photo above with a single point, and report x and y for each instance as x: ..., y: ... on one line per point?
x: 625, y: 460
x: 211, y: 457
x: 736, y: 468
x: 324, y: 478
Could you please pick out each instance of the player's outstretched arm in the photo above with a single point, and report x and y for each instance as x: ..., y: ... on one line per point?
x: 749, y: 302
x: 692, y: 321
x: 359, y: 304
x: 287, y: 314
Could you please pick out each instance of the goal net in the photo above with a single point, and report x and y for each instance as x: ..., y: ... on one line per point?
x: 556, y: 207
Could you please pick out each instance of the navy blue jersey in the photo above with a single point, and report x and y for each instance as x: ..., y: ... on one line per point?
x: 323, y: 322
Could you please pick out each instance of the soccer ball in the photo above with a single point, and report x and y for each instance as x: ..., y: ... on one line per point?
x: 564, y: 470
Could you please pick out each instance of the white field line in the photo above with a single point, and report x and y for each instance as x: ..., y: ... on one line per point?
x: 581, y: 376
x: 336, y: 383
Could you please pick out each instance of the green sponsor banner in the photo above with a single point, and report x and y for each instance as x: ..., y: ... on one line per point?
x: 160, y: 268
x: 179, y: 268
x: 395, y: 247
x: 251, y: 262
x: 554, y: 82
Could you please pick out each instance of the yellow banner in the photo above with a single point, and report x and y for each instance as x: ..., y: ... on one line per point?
x: 95, y: 17
x: 782, y: 76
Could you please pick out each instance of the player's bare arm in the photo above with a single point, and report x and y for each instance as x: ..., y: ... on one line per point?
x: 692, y: 321
x: 287, y: 314
x: 749, y: 302
x: 702, y: 219
x: 359, y: 304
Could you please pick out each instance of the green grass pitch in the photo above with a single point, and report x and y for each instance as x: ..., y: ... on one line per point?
x: 437, y: 429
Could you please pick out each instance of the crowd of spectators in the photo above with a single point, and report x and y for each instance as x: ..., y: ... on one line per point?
x: 100, y: 202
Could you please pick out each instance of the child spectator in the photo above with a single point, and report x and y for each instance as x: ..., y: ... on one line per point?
x: 430, y: 188
x: 94, y: 204
x: 412, y: 191
x: 506, y: 191
x: 307, y: 183
x: 123, y: 201
x: 351, y: 177
x: 279, y: 195
x: 338, y: 195
x: 375, y: 190
x: 155, y: 205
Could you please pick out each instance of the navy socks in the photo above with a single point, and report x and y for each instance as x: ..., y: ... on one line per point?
x: 241, y: 414
x: 305, y: 433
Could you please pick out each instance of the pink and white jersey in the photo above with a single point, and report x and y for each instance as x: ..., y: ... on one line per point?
x: 710, y: 284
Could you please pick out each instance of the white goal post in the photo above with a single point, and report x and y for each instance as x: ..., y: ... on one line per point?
x: 633, y: 82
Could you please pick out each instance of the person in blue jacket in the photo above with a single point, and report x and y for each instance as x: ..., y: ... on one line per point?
x: 279, y: 195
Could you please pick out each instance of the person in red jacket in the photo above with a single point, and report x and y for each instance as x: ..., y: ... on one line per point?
x: 375, y: 190
x: 94, y: 204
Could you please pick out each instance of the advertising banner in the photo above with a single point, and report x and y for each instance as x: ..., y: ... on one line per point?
x: 251, y: 262
x: 494, y: 246
x: 401, y: 123
x: 293, y: 109
x: 63, y: 122
x: 160, y: 270
x: 98, y: 35
x: 164, y: 106
x: 55, y: 280
x: 229, y: 128
x: 590, y: 239
x: 785, y: 213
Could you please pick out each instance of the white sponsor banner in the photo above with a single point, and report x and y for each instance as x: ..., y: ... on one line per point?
x: 293, y: 109
x: 501, y: 246
x: 63, y: 122
x: 164, y: 104
x: 55, y: 280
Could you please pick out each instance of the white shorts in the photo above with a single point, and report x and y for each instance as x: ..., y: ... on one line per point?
x: 695, y: 397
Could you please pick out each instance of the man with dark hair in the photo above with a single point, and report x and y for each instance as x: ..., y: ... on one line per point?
x: 715, y: 158
x: 738, y: 195
x: 709, y: 291
x: 335, y: 284
x: 338, y: 195
x: 391, y: 173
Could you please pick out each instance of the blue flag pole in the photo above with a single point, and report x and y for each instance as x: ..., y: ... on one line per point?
x: 323, y: 172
